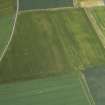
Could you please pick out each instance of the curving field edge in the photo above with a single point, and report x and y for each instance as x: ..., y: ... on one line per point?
x: 12, y: 33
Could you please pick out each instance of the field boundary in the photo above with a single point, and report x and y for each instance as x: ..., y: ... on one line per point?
x: 95, y: 26
x: 86, y: 89
x: 48, y: 9
x: 12, y: 33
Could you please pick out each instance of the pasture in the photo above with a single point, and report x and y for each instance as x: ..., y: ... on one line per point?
x: 39, y: 4
x: 58, y: 90
x: 48, y: 43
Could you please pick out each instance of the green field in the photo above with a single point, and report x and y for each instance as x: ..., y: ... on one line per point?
x: 39, y: 4
x: 96, y: 76
x: 5, y: 31
x: 99, y: 14
x: 61, y: 90
x: 7, y: 7
x: 49, y: 43
x: 6, y: 21
x: 96, y: 81
x: 48, y: 51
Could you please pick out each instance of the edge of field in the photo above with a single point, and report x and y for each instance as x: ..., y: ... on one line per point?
x: 86, y: 89
x: 96, y: 27
x: 12, y: 33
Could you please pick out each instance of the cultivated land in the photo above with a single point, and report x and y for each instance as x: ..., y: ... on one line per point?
x: 99, y: 14
x: 96, y: 81
x: 61, y: 90
x: 5, y: 31
x: 7, y: 7
x: 39, y: 4
x: 95, y: 76
x: 57, y: 42
x: 46, y: 46
x: 6, y: 21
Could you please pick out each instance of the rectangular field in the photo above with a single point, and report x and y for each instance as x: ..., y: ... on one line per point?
x: 96, y: 81
x: 63, y: 90
x: 44, y: 4
x: 49, y: 43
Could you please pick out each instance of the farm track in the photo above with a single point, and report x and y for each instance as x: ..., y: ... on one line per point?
x: 95, y: 25
x: 12, y: 33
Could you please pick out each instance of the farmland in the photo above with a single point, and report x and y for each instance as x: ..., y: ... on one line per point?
x: 91, y: 3
x: 44, y: 50
x: 56, y: 90
x: 96, y: 81
x: 7, y: 7
x: 66, y: 41
x: 5, y: 31
x: 39, y: 4
x: 98, y: 13
x: 6, y: 21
